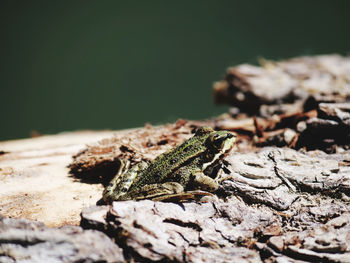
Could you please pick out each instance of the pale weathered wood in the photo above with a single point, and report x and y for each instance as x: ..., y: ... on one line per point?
x: 35, y: 182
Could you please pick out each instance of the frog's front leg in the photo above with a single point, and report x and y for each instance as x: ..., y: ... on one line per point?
x: 204, y: 182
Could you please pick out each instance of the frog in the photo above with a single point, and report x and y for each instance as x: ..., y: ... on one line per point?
x: 177, y: 174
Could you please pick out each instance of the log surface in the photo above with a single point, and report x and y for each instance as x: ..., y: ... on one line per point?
x: 35, y: 180
x: 284, y: 192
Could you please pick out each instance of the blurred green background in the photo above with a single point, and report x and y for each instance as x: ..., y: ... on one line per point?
x: 68, y: 65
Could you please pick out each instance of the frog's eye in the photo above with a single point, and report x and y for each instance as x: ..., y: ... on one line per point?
x: 218, y: 140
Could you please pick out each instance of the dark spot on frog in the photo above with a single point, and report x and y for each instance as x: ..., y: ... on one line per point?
x: 187, y: 149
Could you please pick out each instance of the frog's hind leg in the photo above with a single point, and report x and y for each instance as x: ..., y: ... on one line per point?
x: 122, y: 181
x: 203, y: 183
x: 184, y: 196
x: 152, y: 191
x: 109, y: 189
x: 166, y: 192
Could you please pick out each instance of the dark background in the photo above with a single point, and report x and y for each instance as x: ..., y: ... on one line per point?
x: 68, y: 65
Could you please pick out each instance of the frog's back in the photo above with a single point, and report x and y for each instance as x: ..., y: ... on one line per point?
x: 167, y: 163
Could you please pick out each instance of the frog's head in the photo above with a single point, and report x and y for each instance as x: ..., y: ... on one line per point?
x: 221, y: 141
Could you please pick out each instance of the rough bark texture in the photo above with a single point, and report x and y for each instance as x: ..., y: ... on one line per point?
x: 28, y: 241
x: 255, y: 88
x: 284, y: 191
x: 273, y: 205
